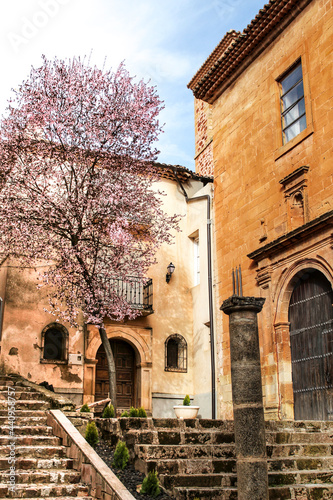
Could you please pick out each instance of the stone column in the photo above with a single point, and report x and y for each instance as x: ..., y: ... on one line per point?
x: 249, y: 423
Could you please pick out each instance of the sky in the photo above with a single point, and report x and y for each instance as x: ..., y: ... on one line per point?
x: 161, y: 41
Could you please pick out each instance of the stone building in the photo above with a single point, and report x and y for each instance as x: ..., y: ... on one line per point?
x: 162, y: 355
x: 264, y: 124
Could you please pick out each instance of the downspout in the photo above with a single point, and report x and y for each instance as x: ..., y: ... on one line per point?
x: 210, y: 286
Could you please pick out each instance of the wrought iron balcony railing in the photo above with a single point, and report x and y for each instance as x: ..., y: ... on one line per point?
x: 136, y: 293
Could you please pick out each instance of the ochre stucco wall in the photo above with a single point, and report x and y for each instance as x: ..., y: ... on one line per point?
x: 173, y: 302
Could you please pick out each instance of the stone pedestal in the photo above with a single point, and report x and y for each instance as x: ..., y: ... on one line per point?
x: 252, y: 478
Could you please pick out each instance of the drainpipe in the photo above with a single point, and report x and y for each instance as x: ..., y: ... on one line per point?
x: 210, y: 286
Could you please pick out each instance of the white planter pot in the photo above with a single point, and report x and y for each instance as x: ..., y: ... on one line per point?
x: 183, y: 412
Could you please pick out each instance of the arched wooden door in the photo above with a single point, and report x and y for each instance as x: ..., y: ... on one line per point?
x: 311, y: 342
x: 124, y: 356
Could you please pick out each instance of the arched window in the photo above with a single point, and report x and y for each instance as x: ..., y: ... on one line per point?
x: 54, y: 343
x: 175, y: 354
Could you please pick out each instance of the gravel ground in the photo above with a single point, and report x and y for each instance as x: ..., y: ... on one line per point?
x: 129, y: 476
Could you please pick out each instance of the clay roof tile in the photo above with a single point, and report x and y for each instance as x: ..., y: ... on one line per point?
x: 235, y: 47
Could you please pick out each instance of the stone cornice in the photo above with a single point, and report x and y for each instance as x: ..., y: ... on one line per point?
x: 301, y: 233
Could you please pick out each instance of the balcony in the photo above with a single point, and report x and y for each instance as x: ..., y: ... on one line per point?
x: 137, y: 294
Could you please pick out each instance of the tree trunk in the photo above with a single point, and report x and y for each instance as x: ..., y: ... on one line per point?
x: 111, y: 366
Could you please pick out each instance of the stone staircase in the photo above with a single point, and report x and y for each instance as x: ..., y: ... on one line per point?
x: 196, y: 458
x: 32, y: 461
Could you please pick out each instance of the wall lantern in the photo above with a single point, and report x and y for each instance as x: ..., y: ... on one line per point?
x: 170, y: 270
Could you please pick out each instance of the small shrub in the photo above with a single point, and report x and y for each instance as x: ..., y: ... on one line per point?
x: 91, y: 434
x: 85, y: 408
x: 150, y: 485
x: 108, y: 412
x: 133, y: 412
x: 121, y: 455
x: 124, y: 414
x: 142, y: 412
x: 187, y: 401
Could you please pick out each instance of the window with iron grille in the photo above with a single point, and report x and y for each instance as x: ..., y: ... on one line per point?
x: 293, y: 118
x: 176, y: 353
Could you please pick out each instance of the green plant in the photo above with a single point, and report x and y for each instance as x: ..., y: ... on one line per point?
x: 187, y: 401
x: 85, y: 408
x: 121, y: 455
x: 124, y: 414
x: 142, y: 412
x: 133, y: 412
x: 108, y: 412
x: 150, y: 485
x: 91, y: 434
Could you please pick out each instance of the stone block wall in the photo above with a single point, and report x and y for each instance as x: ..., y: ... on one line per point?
x: 252, y: 206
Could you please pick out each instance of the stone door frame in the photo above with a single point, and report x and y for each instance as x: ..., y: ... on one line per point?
x: 281, y: 325
x: 140, y: 340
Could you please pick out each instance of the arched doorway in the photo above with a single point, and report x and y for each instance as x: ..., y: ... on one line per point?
x: 124, y: 356
x: 311, y: 342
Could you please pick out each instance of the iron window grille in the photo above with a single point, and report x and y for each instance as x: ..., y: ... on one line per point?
x: 293, y: 118
x: 175, y: 354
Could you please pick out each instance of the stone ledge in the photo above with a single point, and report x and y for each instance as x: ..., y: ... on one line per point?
x: 54, y: 399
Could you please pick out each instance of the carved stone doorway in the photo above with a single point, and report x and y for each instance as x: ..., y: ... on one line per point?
x: 311, y: 343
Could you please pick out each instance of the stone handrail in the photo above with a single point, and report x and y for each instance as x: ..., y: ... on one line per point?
x: 104, y: 485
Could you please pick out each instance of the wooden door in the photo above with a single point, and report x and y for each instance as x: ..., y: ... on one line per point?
x: 125, y: 362
x: 311, y: 342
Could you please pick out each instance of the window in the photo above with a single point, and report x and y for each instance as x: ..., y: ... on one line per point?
x: 175, y: 354
x: 54, y: 344
x: 292, y: 103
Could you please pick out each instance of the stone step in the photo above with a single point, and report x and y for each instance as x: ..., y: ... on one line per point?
x: 33, y: 451
x: 35, y: 440
x: 23, y: 413
x: 302, y: 492
x: 42, y: 476
x: 198, y: 480
x: 59, y: 498
x: 300, y: 464
x: 299, y: 450
x: 22, y: 395
x: 16, y: 388
x: 20, y: 430
x: 24, y: 421
x: 211, y: 465
x: 296, y: 492
x: 300, y: 477
x: 169, y: 437
x: 43, y: 490
x: 38, y: 463
x: 216, y: 493
x: 298, y: 437
x: 298, y: 425
x: 159, y: 452
x: 187, y: 466
x: 6, y: 381
x: 26, y: 405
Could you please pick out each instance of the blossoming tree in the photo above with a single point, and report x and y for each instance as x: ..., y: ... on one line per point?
x: 76, y: 174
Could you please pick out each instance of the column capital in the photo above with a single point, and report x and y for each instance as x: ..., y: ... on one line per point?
x: 236, y: 303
